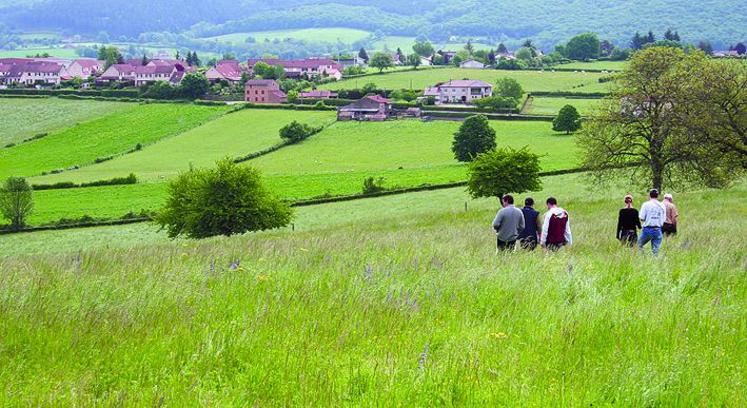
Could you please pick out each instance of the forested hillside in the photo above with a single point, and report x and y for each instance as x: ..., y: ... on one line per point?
x: 720, y: 21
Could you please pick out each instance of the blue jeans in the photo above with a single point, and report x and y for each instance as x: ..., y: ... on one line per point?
x: 653, y: 235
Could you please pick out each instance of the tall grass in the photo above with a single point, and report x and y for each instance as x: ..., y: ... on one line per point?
x: 401, y: 310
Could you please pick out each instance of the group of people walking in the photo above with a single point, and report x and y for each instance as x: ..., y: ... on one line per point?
x: 552, y: 231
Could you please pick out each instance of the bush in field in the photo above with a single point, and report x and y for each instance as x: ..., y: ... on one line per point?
x: 226, y: 200
x: 16, y: 201
x: 373, y: 185
x: 497, y: 103
x: 295, y: 132
x: 475, y: 136
x: 503, y: 171
x: 568, y: 120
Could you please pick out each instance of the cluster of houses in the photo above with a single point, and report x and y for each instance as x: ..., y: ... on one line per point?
x: 52, y: 71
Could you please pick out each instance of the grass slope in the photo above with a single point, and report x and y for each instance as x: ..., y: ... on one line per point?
x: 23, y: 118
x: 104, y: 136
x: 605, y: 65
x: 59, y: 52
x: 530, y: 80
x: 231, y: 135
x: 551, y: 106
x: 333, y: 162
x: 413, y: 309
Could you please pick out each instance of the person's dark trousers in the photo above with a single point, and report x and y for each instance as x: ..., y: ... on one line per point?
x: 669, y: 229
x: 506, y: 246
x: 528, y: 243
x: 629, y: 237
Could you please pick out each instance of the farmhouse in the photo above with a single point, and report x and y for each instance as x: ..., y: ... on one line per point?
x: 118, y: 72
x: 263, y: 91
x: 225, y: 70
x: 462, y: 91
x: 369, y: 108
x: 350, y: 62
x: 310, y: 67
x: 23, y: 71
x: 472, y: 64
x: 447, y: 55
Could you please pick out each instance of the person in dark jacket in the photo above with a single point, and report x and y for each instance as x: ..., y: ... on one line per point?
x: 532, y: 225
x: 628, y: 223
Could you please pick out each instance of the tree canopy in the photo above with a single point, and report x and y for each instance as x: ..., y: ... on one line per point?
x: 498, y: 172
x: 474, y: 136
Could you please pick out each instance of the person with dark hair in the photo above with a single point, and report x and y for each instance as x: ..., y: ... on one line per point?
x: 628, y: 223
x: 508, y: 223
x: 652, y: 217
x: 556, y: 228
x: 670, y: 222
x: 532, y: 225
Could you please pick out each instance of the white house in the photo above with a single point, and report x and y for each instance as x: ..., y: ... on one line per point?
x: 460, y: 91
x: 472, y: 64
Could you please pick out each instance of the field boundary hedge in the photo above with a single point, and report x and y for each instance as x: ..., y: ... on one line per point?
x: 299, y: 203
x: 490, y: 116
x: 116, y: 181
x: 126, y: 93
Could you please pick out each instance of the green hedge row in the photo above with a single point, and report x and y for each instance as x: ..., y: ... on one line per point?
x: 248, y: 105
x: 491, y: 116
x: 131, y: 179
x: 2, y: 95
x: 119, y: 93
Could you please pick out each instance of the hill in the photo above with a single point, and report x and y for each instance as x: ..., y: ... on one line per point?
x: 392, y: 301
x: 502, y: 20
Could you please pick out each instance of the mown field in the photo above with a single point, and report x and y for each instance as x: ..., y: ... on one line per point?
x: 24, y: 118
x: 108, y: 135
x: 403, y: 303
x: 531, y: 81
x: 60, y: 52
x: 538, y: 105
x: 233, y: 135
x: 311, y: 35
x: 404, y: 153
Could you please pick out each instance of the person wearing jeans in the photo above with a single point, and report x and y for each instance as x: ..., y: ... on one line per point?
x: 652, y: 216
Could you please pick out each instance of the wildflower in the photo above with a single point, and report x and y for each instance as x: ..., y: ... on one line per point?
x: 499, y: 335
x: 185, y: 255
x: 303, y: 249
x: 263, y: 278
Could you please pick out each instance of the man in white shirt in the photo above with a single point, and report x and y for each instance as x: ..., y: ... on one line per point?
x: 652, y: 217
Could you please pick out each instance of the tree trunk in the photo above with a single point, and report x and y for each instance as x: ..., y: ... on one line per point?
x: 657, y: 170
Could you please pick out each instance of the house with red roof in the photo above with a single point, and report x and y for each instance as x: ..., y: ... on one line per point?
x: 30, y: 71
x: 155, y: 70
x: 459, y: 91
x: 85, y: 68
x: 368, y: 108
x: 225, y: 70
x: 309, y: 67
x: 264, y: 91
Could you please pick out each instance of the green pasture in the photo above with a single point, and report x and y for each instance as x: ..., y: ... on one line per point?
x: 531, y: 81
x: 108, y: 135
x: 539, y: 105
x: 404, y: 153
x: 24, y: 118
x: 233, y: 135
x: 311, y: 35
x: 60, y: 52
x: 391, y: 43
x: 604, y: 65
x: 404, y: 302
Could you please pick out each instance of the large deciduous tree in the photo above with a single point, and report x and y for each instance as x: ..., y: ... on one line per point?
x: 583, y: 47
x: 474, y: 136
x: 649, y: 130
x: 423, y: 48
x: 381, y: 61
x: 568, y: 120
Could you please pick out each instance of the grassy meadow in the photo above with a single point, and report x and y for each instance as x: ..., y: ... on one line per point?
x: 405, y: 153
x: 539, y: 105
x: 531, y: 81
x: 104, y: 136
x: 24, y: 118
x: 396, y: 301
x: 60, y: 52
x: 604, y: 65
